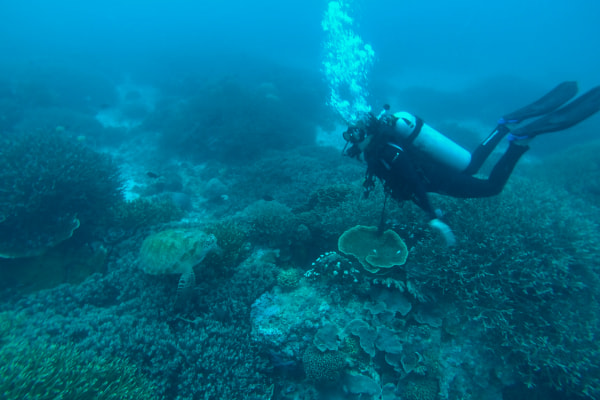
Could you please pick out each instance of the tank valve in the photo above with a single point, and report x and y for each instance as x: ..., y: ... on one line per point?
x: 386, y: 108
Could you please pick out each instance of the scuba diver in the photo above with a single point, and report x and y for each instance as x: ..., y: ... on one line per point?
x: 412, y: 159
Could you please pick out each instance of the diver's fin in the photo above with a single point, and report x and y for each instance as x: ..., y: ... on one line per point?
x: 565, y: 117
x: 549, y: 102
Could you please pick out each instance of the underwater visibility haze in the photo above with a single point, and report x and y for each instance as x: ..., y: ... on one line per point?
x: 179, y: 219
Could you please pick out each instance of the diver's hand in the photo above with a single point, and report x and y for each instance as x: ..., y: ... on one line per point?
x: 444, y: 230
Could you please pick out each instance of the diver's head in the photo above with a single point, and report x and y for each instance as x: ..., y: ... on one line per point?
x: 358, y: 131
x: 356, y: 135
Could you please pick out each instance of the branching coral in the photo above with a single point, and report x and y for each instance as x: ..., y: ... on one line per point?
x: 143, y: 213
x: 580, y: 171
x: 41, y: 370
x: 46, y: 371
x: 329, y: 196
x: 49, y: 185
x: 270, y: 222
x: 231, y: 238
x: 527, y: 275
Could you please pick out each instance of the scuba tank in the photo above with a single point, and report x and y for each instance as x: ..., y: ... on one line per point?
x: 429, y: 141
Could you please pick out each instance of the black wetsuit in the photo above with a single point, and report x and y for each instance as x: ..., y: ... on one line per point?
x: 409, y: 175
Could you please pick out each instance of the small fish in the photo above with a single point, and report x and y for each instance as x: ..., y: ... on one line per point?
x: 152, y: 175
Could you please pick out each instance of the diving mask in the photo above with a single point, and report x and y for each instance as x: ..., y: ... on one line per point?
x: 354, y: 135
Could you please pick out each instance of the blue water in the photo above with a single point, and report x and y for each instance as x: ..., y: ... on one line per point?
x: 120, y: 119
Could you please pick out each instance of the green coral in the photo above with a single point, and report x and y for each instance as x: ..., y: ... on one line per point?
x: 45, y: 371
x: 372, y: 249
x: 323, y: 366
x: 41, y: 370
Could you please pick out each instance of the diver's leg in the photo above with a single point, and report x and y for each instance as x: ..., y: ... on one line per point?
x: 505, y: 166
x: 466, y: 186
x: 563, y: 118
x: 483, y: 151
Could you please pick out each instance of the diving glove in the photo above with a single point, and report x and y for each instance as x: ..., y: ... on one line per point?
x: 444, y: 230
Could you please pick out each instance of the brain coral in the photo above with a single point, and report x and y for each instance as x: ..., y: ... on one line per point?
x: 372, y: 249
x: 175, y: 251
x: 289, y: 278
x: 323, y: 366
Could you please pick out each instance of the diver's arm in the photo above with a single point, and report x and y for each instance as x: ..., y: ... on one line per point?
x: 421, y: 199
x: 404, y: 179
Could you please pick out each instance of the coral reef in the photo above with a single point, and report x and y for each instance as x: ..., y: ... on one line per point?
x: 510, y: 288
x: 329, y: 196
x: 41, y: 370
x: 420, y: 389
x: 276, y: 313
x: 527, y: 262
x: 61, y: 264
x: 270, y: 223
x: 289, y: 278
x: 579, y: 171
x: 202, y: 348
x: 323, y: 366
x: 232, y: 240
x: 51, y: 186
x: 141, y: 214
x: 374, y: 250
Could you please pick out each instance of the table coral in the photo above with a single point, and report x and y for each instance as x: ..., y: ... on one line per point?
x: 372, y: 249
